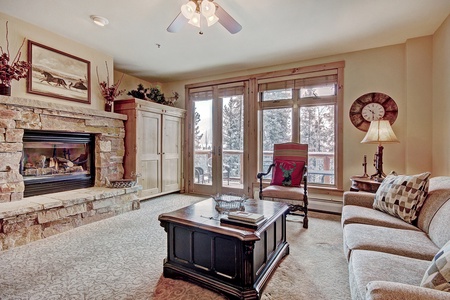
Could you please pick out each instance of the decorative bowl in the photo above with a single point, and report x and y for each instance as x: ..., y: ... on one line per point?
x: 229, y: 202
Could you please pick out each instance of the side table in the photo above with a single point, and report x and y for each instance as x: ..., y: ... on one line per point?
x: 364, y: 184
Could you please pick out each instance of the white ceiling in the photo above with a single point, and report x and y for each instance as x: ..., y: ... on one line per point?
x: 274, y: 31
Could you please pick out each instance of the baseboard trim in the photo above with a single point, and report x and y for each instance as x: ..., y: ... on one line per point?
x: 324, y: 205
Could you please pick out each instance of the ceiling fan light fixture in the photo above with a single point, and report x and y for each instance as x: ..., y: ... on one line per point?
x: 188, y: 9
x: 195, y: 20
x: 200, y: 13
x: 212, y: 20
x: 208, y: 8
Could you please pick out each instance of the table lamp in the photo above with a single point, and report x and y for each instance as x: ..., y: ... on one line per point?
x: 380, y: 131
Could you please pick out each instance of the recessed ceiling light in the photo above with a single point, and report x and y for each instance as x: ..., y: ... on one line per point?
x: 100, y: 21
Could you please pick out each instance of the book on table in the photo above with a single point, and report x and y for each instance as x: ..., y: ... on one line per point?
x: 245, y: 216
x: 226, y: 220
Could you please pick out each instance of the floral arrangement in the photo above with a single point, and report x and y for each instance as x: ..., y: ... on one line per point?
x: 109, y: 92
x: 14, y: 70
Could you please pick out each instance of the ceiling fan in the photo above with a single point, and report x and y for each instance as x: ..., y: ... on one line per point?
x: 197, y: 12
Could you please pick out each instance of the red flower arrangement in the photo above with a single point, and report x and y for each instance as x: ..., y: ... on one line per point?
x: 14, y: 70
x: 109, y: 92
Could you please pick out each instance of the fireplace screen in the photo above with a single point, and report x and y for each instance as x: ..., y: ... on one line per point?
x: 54, y: 162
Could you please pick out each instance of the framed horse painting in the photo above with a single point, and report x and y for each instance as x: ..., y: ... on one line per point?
x: 58, y: 74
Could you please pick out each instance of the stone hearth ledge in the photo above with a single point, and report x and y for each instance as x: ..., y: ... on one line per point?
x: 16, y: 101
x: 38, y: 217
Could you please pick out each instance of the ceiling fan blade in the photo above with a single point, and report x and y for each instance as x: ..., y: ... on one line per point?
x: 227, y: 21
x: 177, y: 23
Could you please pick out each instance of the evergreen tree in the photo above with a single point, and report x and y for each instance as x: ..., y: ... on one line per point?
x: 233, y: 118
x: 232, y: 132
x: 198, y: 136
x: 277, y: 127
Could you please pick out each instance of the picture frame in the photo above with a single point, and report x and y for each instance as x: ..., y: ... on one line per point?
x: 58, y: 74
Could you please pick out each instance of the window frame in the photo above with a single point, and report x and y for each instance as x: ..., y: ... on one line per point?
x: 296, y: 102
x: 253, y: 111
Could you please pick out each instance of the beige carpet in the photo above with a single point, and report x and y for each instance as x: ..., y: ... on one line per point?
x: 122, y: 257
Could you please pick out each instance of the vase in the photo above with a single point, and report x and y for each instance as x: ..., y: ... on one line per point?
x: 5, y: 90
x: 108, y: 106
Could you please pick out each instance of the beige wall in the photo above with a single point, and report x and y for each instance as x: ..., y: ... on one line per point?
x: 403, y: 72
x: 441, y: 100
x: 419, y: 62
x: 19, y: 29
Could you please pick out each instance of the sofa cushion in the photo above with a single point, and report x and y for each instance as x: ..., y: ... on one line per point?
x: 364, y: 199
x: 437, y: 276
x: 414, y: 244
x: 366, y: 266
x: 383, y: 290
x: 362, y: 215
x: 402, y: 196
x: 438, y: 194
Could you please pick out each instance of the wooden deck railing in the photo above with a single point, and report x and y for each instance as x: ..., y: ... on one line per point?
x: 320, y: 167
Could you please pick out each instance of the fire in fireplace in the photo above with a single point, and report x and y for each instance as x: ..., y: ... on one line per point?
x: 57, y: 161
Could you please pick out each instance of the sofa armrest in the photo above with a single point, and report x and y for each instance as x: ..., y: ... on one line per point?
x: 381, y: 290
x: 359, y: 198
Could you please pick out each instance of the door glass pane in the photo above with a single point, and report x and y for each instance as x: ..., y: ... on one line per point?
x: 203, y: 136
x: 317, y: 129
x: 277, y: 128
x: 232, y: 141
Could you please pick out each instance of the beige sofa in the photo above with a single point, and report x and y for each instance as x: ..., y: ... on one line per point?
x: 387, y: 257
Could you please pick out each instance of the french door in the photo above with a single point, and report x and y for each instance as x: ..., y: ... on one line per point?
x: 216, y: 160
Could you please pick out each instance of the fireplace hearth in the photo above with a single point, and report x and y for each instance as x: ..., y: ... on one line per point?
x: 56, y: 161
x: 51, y: 146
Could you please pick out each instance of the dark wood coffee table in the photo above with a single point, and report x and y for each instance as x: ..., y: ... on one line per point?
x: 229, y: 259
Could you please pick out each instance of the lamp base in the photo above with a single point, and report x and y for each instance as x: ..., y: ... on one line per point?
x: 378, y: 177
x: 378, y: 164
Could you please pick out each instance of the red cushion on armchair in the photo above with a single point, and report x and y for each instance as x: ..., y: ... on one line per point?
x: 287, y: 172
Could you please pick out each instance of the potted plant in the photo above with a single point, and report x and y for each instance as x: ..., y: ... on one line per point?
x: 109, y: 92
x: 11, y: 70
x: 139, y: 92
x: 155, y: 95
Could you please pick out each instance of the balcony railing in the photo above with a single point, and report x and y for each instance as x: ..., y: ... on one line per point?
x: 320, y: 166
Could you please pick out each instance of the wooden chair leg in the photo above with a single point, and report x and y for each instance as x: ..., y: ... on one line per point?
x: 305, y: 209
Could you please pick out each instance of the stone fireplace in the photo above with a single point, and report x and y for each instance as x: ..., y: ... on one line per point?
x: 24, y: 155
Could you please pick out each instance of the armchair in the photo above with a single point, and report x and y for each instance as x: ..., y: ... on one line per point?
x: 289, y: 178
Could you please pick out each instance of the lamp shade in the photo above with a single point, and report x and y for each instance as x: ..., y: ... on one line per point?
x: 380, y: 131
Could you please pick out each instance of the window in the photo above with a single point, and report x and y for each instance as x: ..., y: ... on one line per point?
x: 233, y: 124
x: 302, y: 108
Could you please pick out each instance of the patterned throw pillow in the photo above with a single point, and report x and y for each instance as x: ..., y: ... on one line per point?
x: 437, y: 276
x: 287, y: 173
x: 402, y: 196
